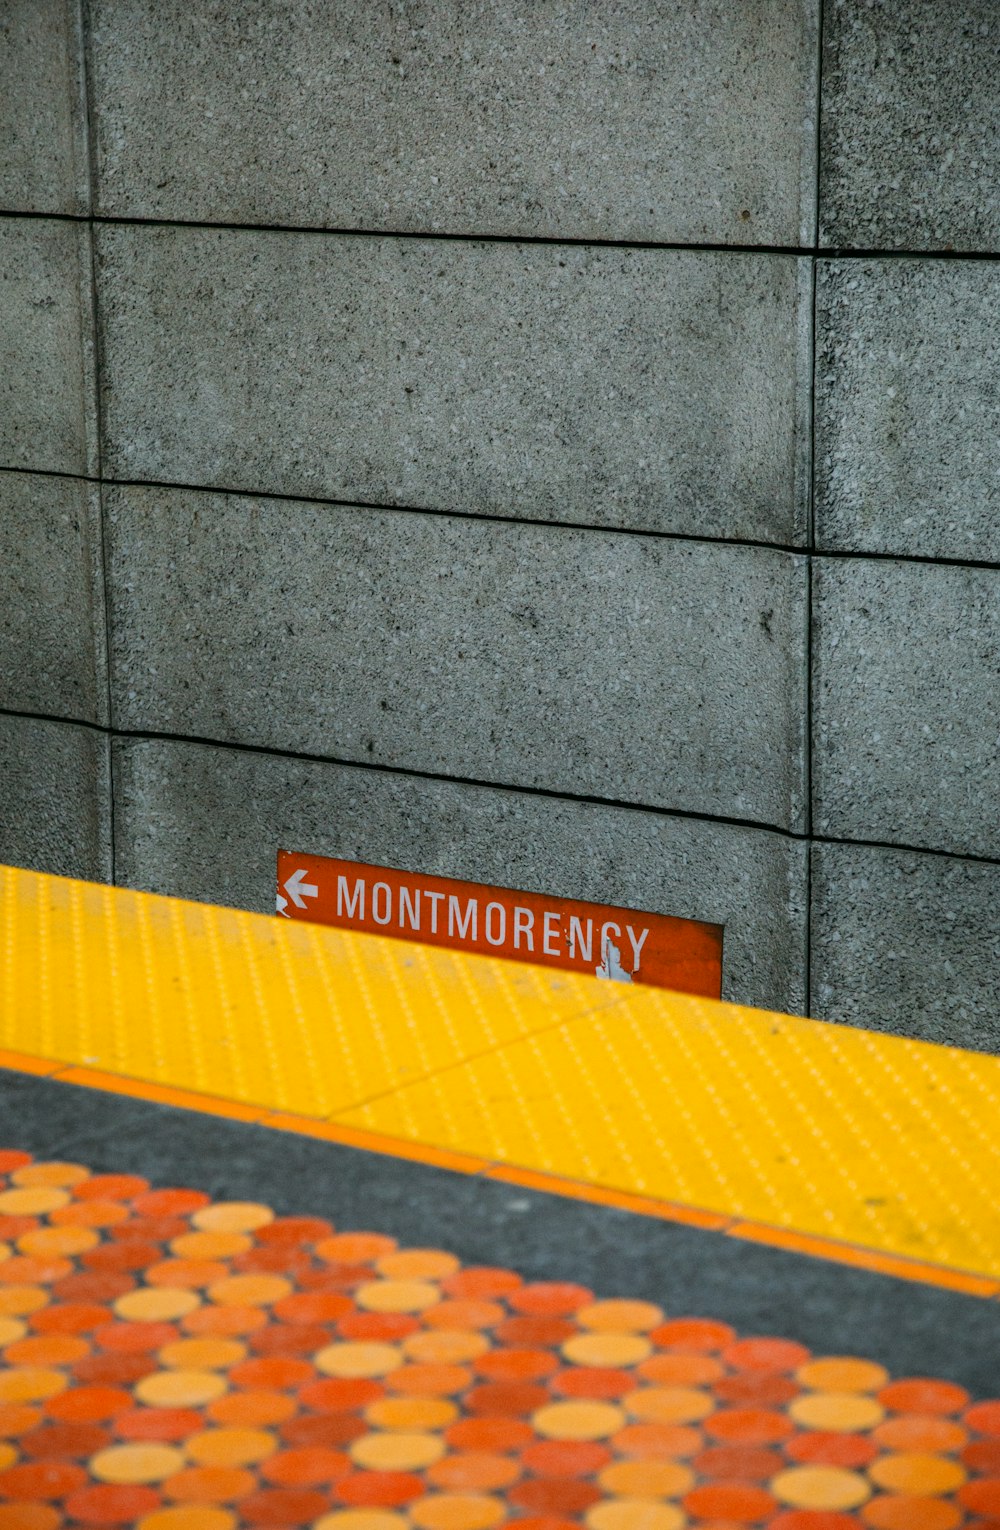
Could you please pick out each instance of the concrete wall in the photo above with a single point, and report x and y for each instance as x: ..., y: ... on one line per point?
x: 549, y: 447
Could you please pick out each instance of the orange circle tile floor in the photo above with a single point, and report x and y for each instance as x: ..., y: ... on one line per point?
x: 178, y: 1363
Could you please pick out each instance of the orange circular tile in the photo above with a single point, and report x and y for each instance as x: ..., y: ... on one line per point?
x: 507, y: 1364
x: 210, y: 1245
x: 410, y: 1413
x: 920, y: 1431
x: 578, y: 1420
x: 29, y: 1516
x: 739, y: 1502
x: 305, y: 1466
x: 203, y: 1354
x: 597, y: 1382
x: 984, y: 1418
x: 646, y: 1479
x: 676, y: 1370
x: 252, y: 1408
x: 361, y: 1519
x: 18, y: 1300
x: 65, y: 1242
x: 111, y: 1503
x: 63, y: 1439
x: 620, y: 1316
x: 231, y: 1446
x: 232, y: 1216
x: 480, y: 1281
x: 136, y: 1462
x: 610, y: 1349
x: 653, y: 1442
x: 30, y: 1383
x: 828, y: 1448
x: 982, y: 1456
x: 70, y: 1317
x: 224, y: 1322
x: 918, y: 1473
x: 842, y: 1374
x: 634, y: 1514
x: 923, y: 1395
x: 341, y: 1394
x: 494, y: 1435
x: 386, y: 1490
x: 549, y: 1298
x: 180, y: 1389
x: 446, y: 1346
x: 755, y: 1389
x: 210, y: 1484
x: 457, y: 1511
x: 59, y: 1174
x: 982, y: 1497
x: 47, y: 1349
x: 354, y: 1248
x: 749, y: 1426
x: 167, y: 1424
x: 17, y: 1418
x: 396, y: 1451
x: 848, y: 1411
x: 88, y: 1405
x: 91, y: 1213
x: 896, y: 1512
x: 562, y: 1496
x: 358, y: 1360
x: 464, y: 1314
x: 813, y: 1519
x: 11, y: 1159
x: 31, y: 1201
x: 566, y: 1458
x: 738, y: 1463
x: 473, y: 1472
x: 156, y: 1306
x: 766, y: 1354
x: 112, y: 1187
x: 31, y: 1269
x: 311, y: 1307
x: 693, y: 1336
x: 820, y: 1487
x: 506, y: 1399
x: 249, y: 1290
x: 429, y: 1380
x: 41, y: 1479
x: 188, y: 1517
x: 397, y: 1295
x: 417, y: 1264
x: 135, y: 1338
x: 378, y: 1326
x: 668, y: 1405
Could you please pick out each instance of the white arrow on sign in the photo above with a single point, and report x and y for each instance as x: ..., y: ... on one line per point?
x: 298, y: 890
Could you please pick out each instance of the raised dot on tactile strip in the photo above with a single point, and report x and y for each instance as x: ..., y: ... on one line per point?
x: 919, y: 1473
x: 358, y: 1360
x: 578, y: 1420
x: 180, y: 1389
x: 136, y: 1463
x: 608, y: 1349
x: 847, y: 1411
x: 156, y: 1305
x: 634, y: 1514
x: 396, y: 1451
x: 232, y: 1217
x: 619, y: 1316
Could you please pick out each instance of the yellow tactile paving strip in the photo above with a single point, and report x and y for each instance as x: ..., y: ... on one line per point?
x: 813, y: 1130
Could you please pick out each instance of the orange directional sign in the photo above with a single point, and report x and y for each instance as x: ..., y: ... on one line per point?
x: 625, y: 944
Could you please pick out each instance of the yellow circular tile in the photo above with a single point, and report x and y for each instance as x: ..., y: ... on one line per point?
x: 188, y: 1516
x: 32, y: 1201
x: 203, y: 1354
x: 136, y: 1463
x: 917, y: 1473
x: 820, y: 1487
x: 156, y: 1304
x: 415, y: 1414
x: 250, y: 1290
x: 397, y: 1295
x: 417, y: 1264
x: 5, y: 1251
x: 843, y: 1411
x: 646, y: 1479
x: 210, y: 1245
x: 8, y: 1455
x: 358, y: 1359
x: 620, y: 1316
x: 634, y: 1514
x: 30, y: 1383
x: 231, y: 1447
x: 457, y: 1511
x: 613, y: 1349
x: 669, y: 1405
x: 51, y: 1174
x: 842, y: 1374
x: 180, y: 1389
x: 232, y: 1216
x: 445, y: 1346
x: 396, y: 1452
x: 43, y: 1242
x: 11, y: 1329
x: 361, y: 1519
x: 578, y: 1420
x: 17, y: 1301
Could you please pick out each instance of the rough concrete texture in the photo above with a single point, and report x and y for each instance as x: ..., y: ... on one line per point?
x: 911, y: 133
x: 655, y: 389
x: 55, y: 801
x: 43, y: 167
x: 907, y: 943
x: 46, y: 388
x: 907, y: 702
x: 660, y: 121
x: 595, y: 663
x: 207, y: 823
x: 51, y: 598
x: 908, y: 407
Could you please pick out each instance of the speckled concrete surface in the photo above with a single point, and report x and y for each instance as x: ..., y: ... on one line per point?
x: 55, y: 797
x: 42, y: 109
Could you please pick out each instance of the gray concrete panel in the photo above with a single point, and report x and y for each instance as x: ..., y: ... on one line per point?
x: 661, y: 121
x: 911, y: 126
x: 655, y: 389
x: 206, y: 823
x: 43, y: 167
x: 52, y: 648
x: 907, y: 943
x: 908, y: 407
x: 633, y: 668
x: 907, y: 700
x: 46, y: 351
x: 55, y: 800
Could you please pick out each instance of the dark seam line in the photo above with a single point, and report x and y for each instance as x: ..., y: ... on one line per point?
x: 811, y: 518
x: 832, y: 553
x: 147, y: 735
x: 832, y: 252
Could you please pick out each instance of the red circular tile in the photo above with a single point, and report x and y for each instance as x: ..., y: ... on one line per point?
x: 110, y: 1503
x: 380, y: 1489
x: 163, y: 1424
x: 814, y: 1519
x: 11, y: 1159
x: 984, y: 1418
x: 275, y: 1373
x: 982, y: 1497
x: 516, y: 1364
x: 92, y: 1286
x: 549, y: 1298
x: 288, y: 1339
x: 982, y: 1456
x: 169, y: 1203
x: 115, y: 1258
x: 657, y: 1442
x: 491, y: 1435
x: 64, y: 1440
x: 766, y: 1389
x: 41, y: 1479
x: 70, y: 1317
x: 340, y: 1394
x: 535, y: 1331
x: 110, y: 1187
x: 593, y: 1381
x: 740, y: 1463
x: 693, y: 1336
x: 114, y: 1370
x: 286, y: 1231
x: 765, y: 1355
x: 332, y: 1430
x: 88, y: 1405
x: 276, y: 1260
x: 828, y: 1448
x: 505, y: 1399
x: 282, y: 1506
x: 312, y: 1307
x: 736, y: 1501
x: 135, y: 1338
x: 155, y: 1230
x: 748, y: 1426
x: 378, y: 1326
x: 566, y: 1458
x: 306, y: 1466
x: 481, y: 1282
x: 923, y: 1395
x: 554, y: 1495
